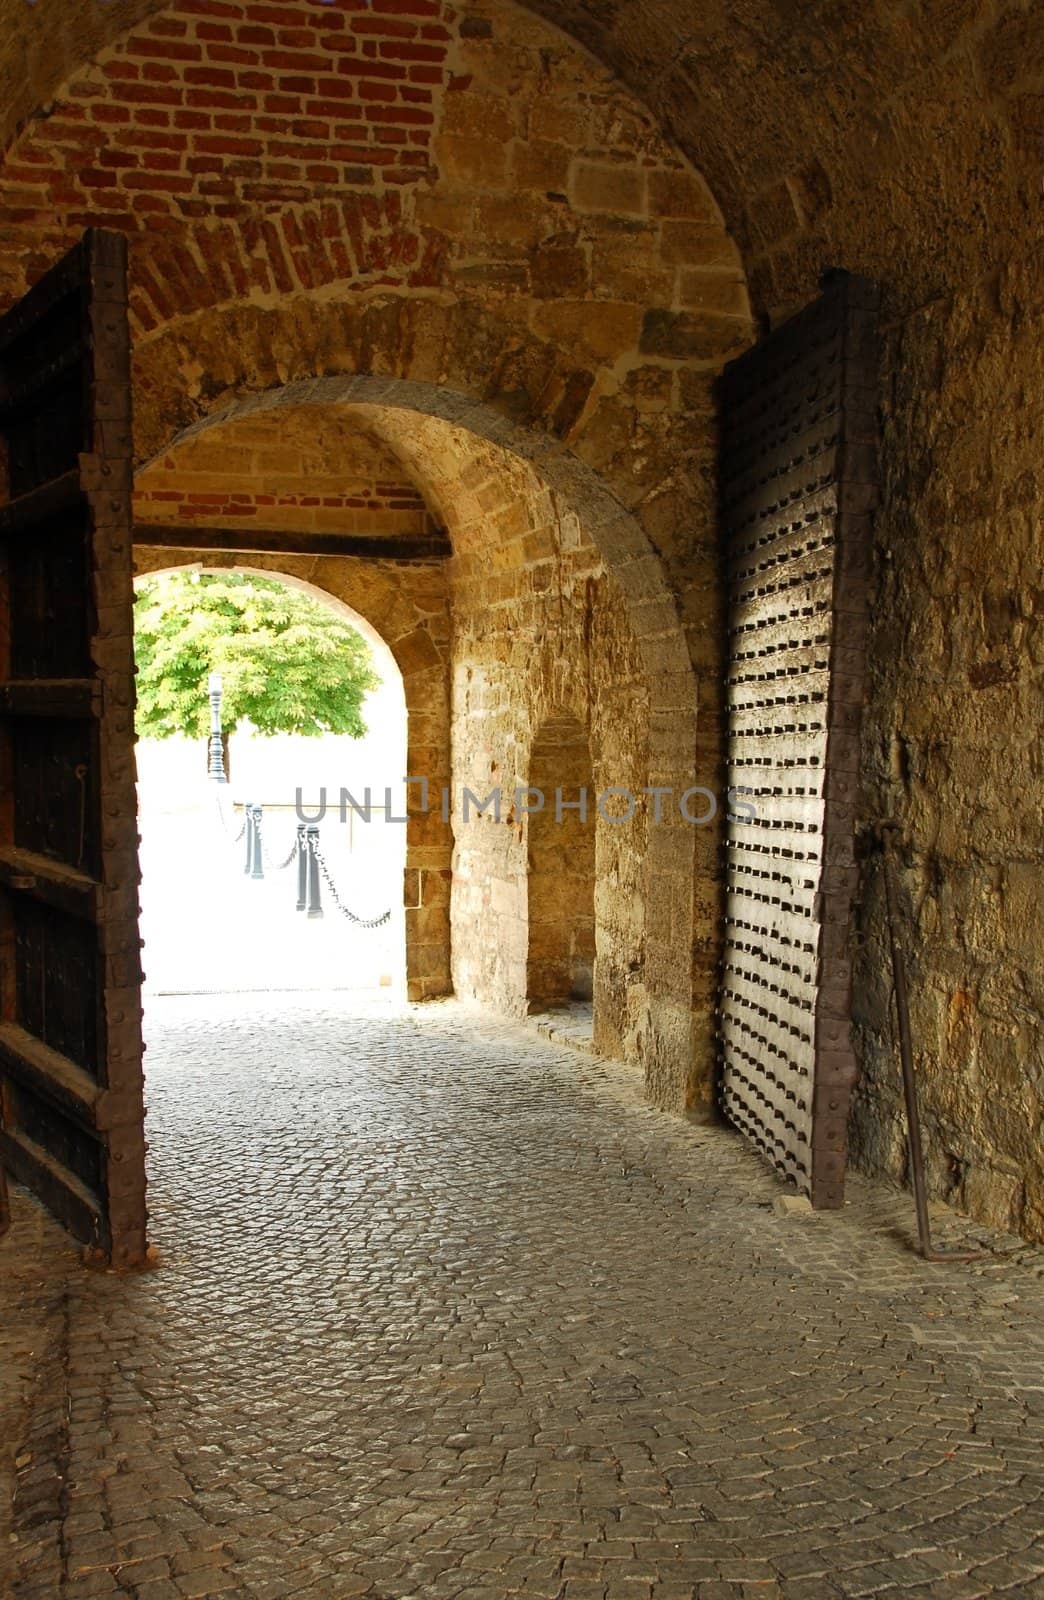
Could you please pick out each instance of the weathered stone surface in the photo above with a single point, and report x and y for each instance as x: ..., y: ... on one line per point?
x: 369, y: 192
x: 951, y: 752
x: 451, y: 1311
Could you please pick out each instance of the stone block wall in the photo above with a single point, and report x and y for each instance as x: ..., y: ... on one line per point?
x: 953, y: 751
x: 561, y: 821
x: 464, y: 202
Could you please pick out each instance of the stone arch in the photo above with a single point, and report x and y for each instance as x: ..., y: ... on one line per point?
x: 367, y: 598
x: 576, y: 513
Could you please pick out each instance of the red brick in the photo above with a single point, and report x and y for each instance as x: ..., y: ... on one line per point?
x: 151, y: 94
x: 250, y: 33
x: 96, y: 178
x: 234, y: 54
x: 305, y: 128
x: 297, y: 60
x: 371, y: 69
x: 211, y: 77
x: 217, y: 99
x: 278, y: 16
x: 408, y: 8
x: 215, y: 30
x: 392, y: 50
x: 162, y: 161
x: 210, y: 8
x: 146, y: 139
x: 403, y: 115
x: 232, y: 122
x: 156, y: 182
x: 334, y: 89
x: 298, y: 38
x: 377, y: 91
x: 384, y: 26
x: 164, y: 49
x: 359, y: 153
x: 223, y: 144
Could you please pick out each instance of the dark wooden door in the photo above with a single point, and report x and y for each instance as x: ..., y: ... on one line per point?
x: 799, y: 485
x: 70, y: 975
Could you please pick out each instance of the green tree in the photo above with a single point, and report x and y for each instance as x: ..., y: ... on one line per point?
x: 288, y: 663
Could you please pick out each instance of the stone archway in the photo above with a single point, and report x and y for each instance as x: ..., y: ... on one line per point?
x: 517, y: 501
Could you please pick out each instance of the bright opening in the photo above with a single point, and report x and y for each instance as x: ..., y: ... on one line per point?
x: 257, y: 696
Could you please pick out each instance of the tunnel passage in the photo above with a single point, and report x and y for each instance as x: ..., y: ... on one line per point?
x: 506, y: 196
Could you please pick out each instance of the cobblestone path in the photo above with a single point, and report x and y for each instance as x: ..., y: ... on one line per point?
x: 443, y: 1309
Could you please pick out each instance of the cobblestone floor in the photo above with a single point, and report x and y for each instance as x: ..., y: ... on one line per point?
x: 443, y: 1309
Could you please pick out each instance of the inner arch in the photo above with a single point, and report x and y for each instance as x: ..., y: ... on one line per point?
x: 529, y: 520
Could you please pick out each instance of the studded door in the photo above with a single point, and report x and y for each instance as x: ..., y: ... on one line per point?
x: 799, y: 486
x: 70, y: 1009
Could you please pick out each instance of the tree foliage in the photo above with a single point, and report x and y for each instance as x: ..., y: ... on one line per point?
x: 288, y: 663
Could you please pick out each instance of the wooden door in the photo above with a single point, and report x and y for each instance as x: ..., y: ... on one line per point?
x: 70, y: 975
x: 799, y: 486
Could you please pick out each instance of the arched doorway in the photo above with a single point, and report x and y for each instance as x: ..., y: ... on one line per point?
x: 556, y: 598
x: 231, y: 899
x: 560, y: 958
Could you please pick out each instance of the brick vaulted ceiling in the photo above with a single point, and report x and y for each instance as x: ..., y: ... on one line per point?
x: 896, y: 137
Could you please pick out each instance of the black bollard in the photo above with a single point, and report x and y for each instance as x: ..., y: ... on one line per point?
x: 257, y: 868
x: 248, y: 818
x: 315, y: 907
x: 302, y: 867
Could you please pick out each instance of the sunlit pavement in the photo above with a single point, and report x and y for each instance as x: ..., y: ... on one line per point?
x: 209, y: 926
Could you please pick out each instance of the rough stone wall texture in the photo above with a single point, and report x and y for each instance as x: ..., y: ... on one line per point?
x: 901, y: 141
x: 561, y: 868
x: 563, y: 646
x: 953, y: 750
